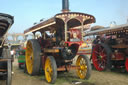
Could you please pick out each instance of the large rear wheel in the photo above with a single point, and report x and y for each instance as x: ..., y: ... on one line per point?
x: 50, y: 69
x: 33, y: 51
x: 99, y: 57
x: 84, y: 67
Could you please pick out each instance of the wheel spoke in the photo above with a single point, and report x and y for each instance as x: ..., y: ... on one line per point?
x: 104, y: 55
x: 102, y: 50
x: 102, y: 64
x: 97, y: 60
x: 96, y: 52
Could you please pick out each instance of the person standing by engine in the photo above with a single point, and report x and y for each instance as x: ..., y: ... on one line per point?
x: 12, y: 54
x: 96, y: 40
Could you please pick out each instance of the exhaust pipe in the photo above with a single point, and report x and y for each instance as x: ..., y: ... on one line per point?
x: 65, y: 6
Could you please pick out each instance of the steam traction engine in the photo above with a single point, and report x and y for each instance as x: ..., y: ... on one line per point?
x: 5, y: 59
x: 110, y: 47
x: 58, y: 44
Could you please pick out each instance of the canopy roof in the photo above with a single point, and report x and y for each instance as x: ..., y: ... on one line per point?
x: 97, y: 27
x: 5, y: 22
x: 109, y: 30
x: 72, y: 19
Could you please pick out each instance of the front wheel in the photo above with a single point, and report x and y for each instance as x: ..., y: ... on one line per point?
x: 84, y: 67
x: 50, y: 69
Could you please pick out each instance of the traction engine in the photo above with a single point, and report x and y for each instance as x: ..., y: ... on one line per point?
x: 110, y: 47
x: 58, y: 45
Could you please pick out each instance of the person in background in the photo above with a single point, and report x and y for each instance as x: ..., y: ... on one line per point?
x: 75, y: 37
x: 12, y: 54
x: 96, y: 40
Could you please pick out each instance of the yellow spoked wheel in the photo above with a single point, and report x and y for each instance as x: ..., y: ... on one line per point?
x: 29, y: 57
x: 84, y: 67
x: 50, y: 69
x: 32, y: 57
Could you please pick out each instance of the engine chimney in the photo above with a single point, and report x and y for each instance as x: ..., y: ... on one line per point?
x: 65, y: 6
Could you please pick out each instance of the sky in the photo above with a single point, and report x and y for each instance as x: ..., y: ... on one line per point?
x: 27, y: 12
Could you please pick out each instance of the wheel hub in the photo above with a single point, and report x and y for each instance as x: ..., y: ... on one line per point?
x: 31, y: 57
x: 82, y: 67
x: 47, y: 70
x: 100, y: 57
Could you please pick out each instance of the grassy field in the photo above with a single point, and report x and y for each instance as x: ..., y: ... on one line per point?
x: 70, y: 78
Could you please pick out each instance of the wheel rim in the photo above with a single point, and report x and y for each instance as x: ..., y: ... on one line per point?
x: 82, y: 70
x: 126, y: 64
x: 99, y: 57
x: 29, y: 57
x: 48, y: 70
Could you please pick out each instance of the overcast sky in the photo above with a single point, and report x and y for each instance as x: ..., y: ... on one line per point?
x: 26, y: 12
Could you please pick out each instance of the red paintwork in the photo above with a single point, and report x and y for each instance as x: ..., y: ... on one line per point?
x: 119, y: 56
x: 44, y: 43
x: 126, y: 64
x: 75, y: 44
x: 21, y: 63
x: 43, y: 61
x: 97, y: 62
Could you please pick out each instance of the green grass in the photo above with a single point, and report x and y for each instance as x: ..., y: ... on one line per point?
x: 65, y: 78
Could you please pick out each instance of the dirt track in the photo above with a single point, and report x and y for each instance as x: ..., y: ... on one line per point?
x: 97, y: 78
